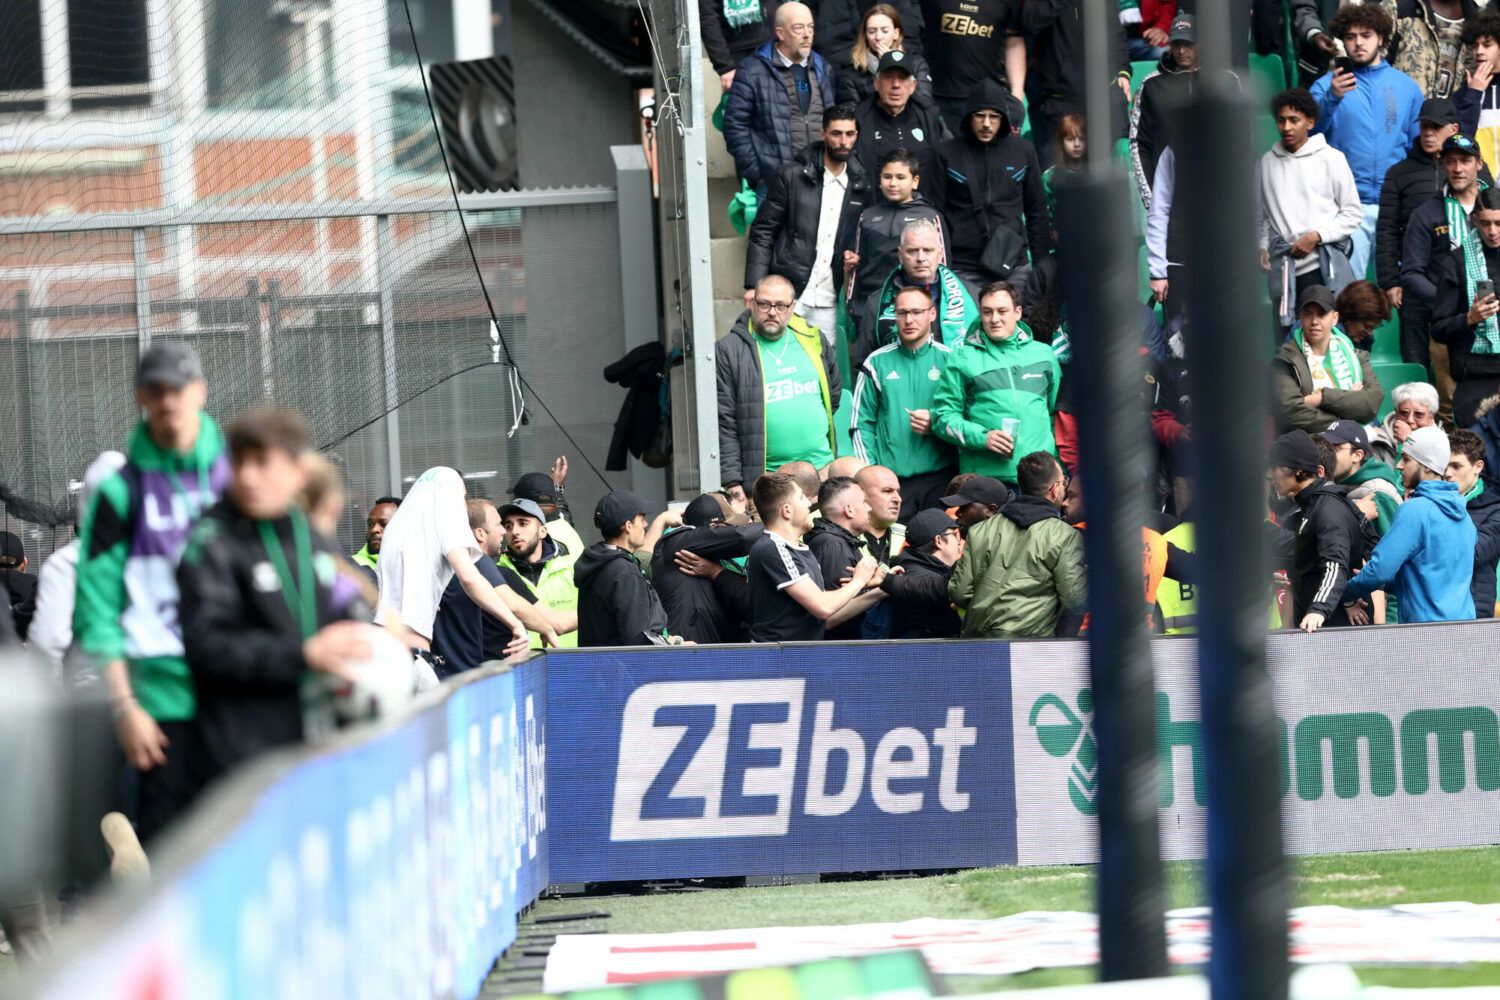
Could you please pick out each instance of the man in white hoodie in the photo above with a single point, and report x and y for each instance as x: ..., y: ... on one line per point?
x: 1309, y: 207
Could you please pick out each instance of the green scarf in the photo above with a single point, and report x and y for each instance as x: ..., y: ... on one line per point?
x: 1460, y: 234
x: 1130, y: 11
x: 1341, y: 362
x: 740, y: 13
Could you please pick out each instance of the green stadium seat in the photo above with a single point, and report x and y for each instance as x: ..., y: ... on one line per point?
x: 1267, y: 75
x: 1386, y: 348
x: 1392, y: 375
x: 1138, y: 73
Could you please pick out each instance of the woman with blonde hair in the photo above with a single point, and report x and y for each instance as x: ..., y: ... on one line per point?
x: 879, y: 32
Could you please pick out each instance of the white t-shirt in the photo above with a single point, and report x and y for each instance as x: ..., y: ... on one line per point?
x: 413, y: 571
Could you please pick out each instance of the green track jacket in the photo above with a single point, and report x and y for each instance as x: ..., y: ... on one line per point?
x: 893, y: 381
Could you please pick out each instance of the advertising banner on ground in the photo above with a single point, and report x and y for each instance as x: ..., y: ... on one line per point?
x: 388, y: 867
x: 779, y: 760
x: 1389, y: 740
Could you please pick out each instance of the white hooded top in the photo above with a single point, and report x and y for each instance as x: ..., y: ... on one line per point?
x: 413, y: 570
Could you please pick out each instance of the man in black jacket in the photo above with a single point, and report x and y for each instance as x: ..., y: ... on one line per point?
x: 616, y: 605
x: 1466, y: 469
x: 890, y: 120
x: 1323, y: 539
x: 1168, y: 88
x: 1409, y: 185
x: 837, y: 541
x: 1055, y: 28
x: 731, y: 31
x: 263, y: 601
x: 918, y: 595
x: 1466, y: 321
x: 1425, y: 247
x: 714, y: 532
x: 989, y: 188
x: 811, y: 208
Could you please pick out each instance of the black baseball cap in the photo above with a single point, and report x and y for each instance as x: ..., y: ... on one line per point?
x: 1316, y: 295
x: 711, y: 507
x: 170, y: 364
x: 980, y: 489
x: 893, y: 59
x: 535, y: 486
x: 522, y: 505
x: 1348, y: 432
x: 1438, y: 111
x: 614, y: 509
x: 1296, y: 450
x: 11, y: 547
x: 926, y: 526
x: 1460, y: 143
x: 1183, y: 29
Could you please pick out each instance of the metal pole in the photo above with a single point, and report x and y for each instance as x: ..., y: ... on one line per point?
x: 1246, y: 870
x: 383, y: 280
x: 142, y: 290
x: 1098, y: 272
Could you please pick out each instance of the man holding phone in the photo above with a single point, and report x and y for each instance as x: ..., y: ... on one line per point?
x: 1369, y: 111
x: 1465, y: 313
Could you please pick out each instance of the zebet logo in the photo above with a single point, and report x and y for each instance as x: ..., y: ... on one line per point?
x: 1465, y: 741
x: 719, y: 759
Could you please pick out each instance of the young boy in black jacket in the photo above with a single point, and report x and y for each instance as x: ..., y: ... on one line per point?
x: 263, y: 602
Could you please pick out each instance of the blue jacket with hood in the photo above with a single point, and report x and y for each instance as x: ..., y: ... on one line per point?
x: 1373, y: 125
x: 1426, y: 558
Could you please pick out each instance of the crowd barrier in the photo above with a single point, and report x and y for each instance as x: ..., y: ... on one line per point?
x: 394, y: 862
x: 391, y: 864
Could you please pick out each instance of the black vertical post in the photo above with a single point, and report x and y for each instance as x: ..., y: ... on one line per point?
x: 1246, y: 871
x: 30, y: 480
x: 1098, y: 272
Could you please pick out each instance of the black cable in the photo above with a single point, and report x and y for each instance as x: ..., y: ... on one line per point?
x: 489, y: 304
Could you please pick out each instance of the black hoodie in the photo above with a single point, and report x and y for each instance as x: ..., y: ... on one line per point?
x: 920, y: 606
x: 1484, y: 511
x: 616, y: 605
x: 1322, y: 541
x: 985, y: 187
x: 837, y: 549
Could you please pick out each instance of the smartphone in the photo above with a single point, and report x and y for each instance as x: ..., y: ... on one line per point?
x: 1483, y: 288
x: 1343, y: 64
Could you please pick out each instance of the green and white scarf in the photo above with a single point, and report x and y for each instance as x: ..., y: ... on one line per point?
x: 1341, y: 362
x: 1460, y: 234
x: 1130, y: 11
x: 740, y: 13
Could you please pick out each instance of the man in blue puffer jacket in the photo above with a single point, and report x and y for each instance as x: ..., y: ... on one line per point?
x: 1427, y: 556
x: 776, y: 102
x: 1369, y: 112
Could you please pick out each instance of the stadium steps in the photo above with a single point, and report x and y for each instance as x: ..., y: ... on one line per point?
x: 726, y: 247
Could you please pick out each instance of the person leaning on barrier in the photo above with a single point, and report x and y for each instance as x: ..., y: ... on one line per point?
x: 1022, y: 568
x: 837, y: 542
x: 125, y: 615
x: 689, y: 562
x: 787, y: 599
x: 262, y: 602
x: 1323, y: 540
x: 1426, y: 559
x: 544, y: 566
x: 918, y: 594
x: 1465, y: 470
x: 616, y: 604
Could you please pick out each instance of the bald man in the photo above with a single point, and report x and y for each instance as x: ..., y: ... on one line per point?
x: 778, y: 387
x: 844, y: 467
x: 806, y: 477
x: 776, y: 102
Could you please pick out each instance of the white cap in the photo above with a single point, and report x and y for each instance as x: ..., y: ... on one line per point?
x: 1429, y: 445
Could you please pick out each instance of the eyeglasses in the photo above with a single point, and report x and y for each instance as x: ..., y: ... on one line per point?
x: 776, y: 307
x: 910, y: 313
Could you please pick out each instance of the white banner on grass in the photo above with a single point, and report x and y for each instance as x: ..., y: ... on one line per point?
x: 1389, y: 737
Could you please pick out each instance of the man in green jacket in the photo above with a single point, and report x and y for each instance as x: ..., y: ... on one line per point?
x: 1023, y: 566
x: 997, y: 397
x: 893, y: 406
x: 125, y: 614
x: 1355, y: 467
x: 921, y: 255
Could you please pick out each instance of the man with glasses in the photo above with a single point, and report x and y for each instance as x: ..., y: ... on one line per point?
x: 778, y: 387
x: 776, y: 102
x: 893, y: 406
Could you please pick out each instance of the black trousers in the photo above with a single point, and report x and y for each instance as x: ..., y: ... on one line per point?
x: 1468, y: 394
x: 924, y: 491
x: 1416, y: 318
x: 167, y: 790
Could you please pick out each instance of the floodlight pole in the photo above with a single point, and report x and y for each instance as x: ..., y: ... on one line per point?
x: 1246, y: 871
x: 1098, y: 272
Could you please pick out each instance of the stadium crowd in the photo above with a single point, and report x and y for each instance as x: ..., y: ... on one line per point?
x: 903, y: 256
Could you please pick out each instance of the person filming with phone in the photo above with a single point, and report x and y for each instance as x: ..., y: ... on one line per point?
x: 1368, y: 110
x: 1466, y: 309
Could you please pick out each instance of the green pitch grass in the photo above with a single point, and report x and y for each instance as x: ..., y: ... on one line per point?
x: 1356, y: 880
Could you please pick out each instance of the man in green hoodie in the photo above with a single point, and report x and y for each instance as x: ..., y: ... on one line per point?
x: 893, y: 406
x: 125, y: 615
x: 997, y: 397
x: 1351, y: 449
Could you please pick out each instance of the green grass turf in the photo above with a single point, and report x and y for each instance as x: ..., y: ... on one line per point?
x: 1357, y: 880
